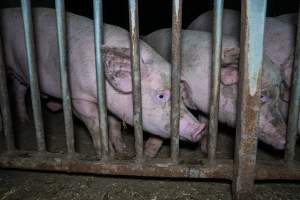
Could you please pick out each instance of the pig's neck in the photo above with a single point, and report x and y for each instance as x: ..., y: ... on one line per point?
x: 119, y: 104
x: 200, y: 83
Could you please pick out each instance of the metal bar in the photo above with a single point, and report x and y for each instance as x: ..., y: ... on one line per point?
x: 294, y: 103
x: 33, y: 75
x: 63, y: 63
x: 136, y: 78
x: 175, y: 78
x: 252, y: 34
x: 277, y: 170
x: 162, y: 168
x: 5, y: 105
x: 98, y: 23
x: 222, y: 169
x: 215, y: 79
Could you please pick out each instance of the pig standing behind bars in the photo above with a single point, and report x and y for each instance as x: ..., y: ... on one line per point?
x: 155, y: 72
x: 279, y: 39
x: 196, y: 70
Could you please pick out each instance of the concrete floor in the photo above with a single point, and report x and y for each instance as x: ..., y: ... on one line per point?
x: 16, y: 184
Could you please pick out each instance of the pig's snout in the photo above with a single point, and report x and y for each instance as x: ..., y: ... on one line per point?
x: 198, y: 132
x: 274, y: 131
x: 190, y: 128
x: 281, y: 128
x: 280, y: 138
x: 280, y: 143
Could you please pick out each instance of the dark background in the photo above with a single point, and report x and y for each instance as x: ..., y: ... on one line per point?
x: 154, y: 14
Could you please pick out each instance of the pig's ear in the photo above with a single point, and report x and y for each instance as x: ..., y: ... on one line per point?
x: 231, y: 56
x: 118, y: 68
x: 229, y: 75
x: 186, y: 94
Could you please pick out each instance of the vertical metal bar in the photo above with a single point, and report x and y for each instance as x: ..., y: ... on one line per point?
x: 215, y: 78
x: 252, y: 34
x: 4, y: 105
x: 63, y: 63
x: 175, y: 78
x: 33, y: 75
x: 294, y: 103
x: 98, y: 23
x: 136, y: 78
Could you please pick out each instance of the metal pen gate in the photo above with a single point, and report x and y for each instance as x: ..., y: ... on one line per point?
x: 243, y: 170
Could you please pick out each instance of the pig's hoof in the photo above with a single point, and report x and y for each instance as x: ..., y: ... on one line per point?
x: 120, y: 149
x: 152, y: 147
x: 204, y: 145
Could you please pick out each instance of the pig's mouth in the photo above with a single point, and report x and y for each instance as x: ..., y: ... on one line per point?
x: 198, y: 132
x: 278, y: 141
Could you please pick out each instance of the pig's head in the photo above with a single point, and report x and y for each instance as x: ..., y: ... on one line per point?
x: 272, y: 126
x: 156, y: 97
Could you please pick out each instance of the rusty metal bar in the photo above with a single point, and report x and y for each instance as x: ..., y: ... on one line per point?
x: 63, y: 63
x: 102, y: 109
x: 294, y: 103
x: 252, y: 34
x: 161, y: 168
x: 33, y: 75
x: 175, y: 78
x: 222, y: 169
x: 215, y: 79
x: 277, y: 170
x: 5, y: 105
x: 136, y: 78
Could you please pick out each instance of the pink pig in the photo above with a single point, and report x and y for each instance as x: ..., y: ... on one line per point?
x: 155, y: 73
x: 196, y: 70
x: 279, y: 39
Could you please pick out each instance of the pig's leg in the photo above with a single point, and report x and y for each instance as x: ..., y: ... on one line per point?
x: 115, y: 136
x: 204, y: 139
x: 204, y: 144
x: 19, y: 92
x: 152, y: 146
x: 87, y: 112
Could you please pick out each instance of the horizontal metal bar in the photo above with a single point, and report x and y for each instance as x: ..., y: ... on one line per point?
x: 63, y: 63
x: 63, y: 163
x: 5, y: 105
x: 292, y: 129
x: 277, y: 170
x: 102, y: 109
x: 215, y: 79
x: 175, y: 78
x: 136, y: 78
x: 252, y: 34
x: 33, y: 75
x: 222, y: 169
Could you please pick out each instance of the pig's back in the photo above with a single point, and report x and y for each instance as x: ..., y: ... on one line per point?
x: 12, y: 31
x: 80, y: 48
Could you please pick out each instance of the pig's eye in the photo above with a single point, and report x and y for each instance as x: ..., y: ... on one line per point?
x: 264, y: 98
x: 162, y: 96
